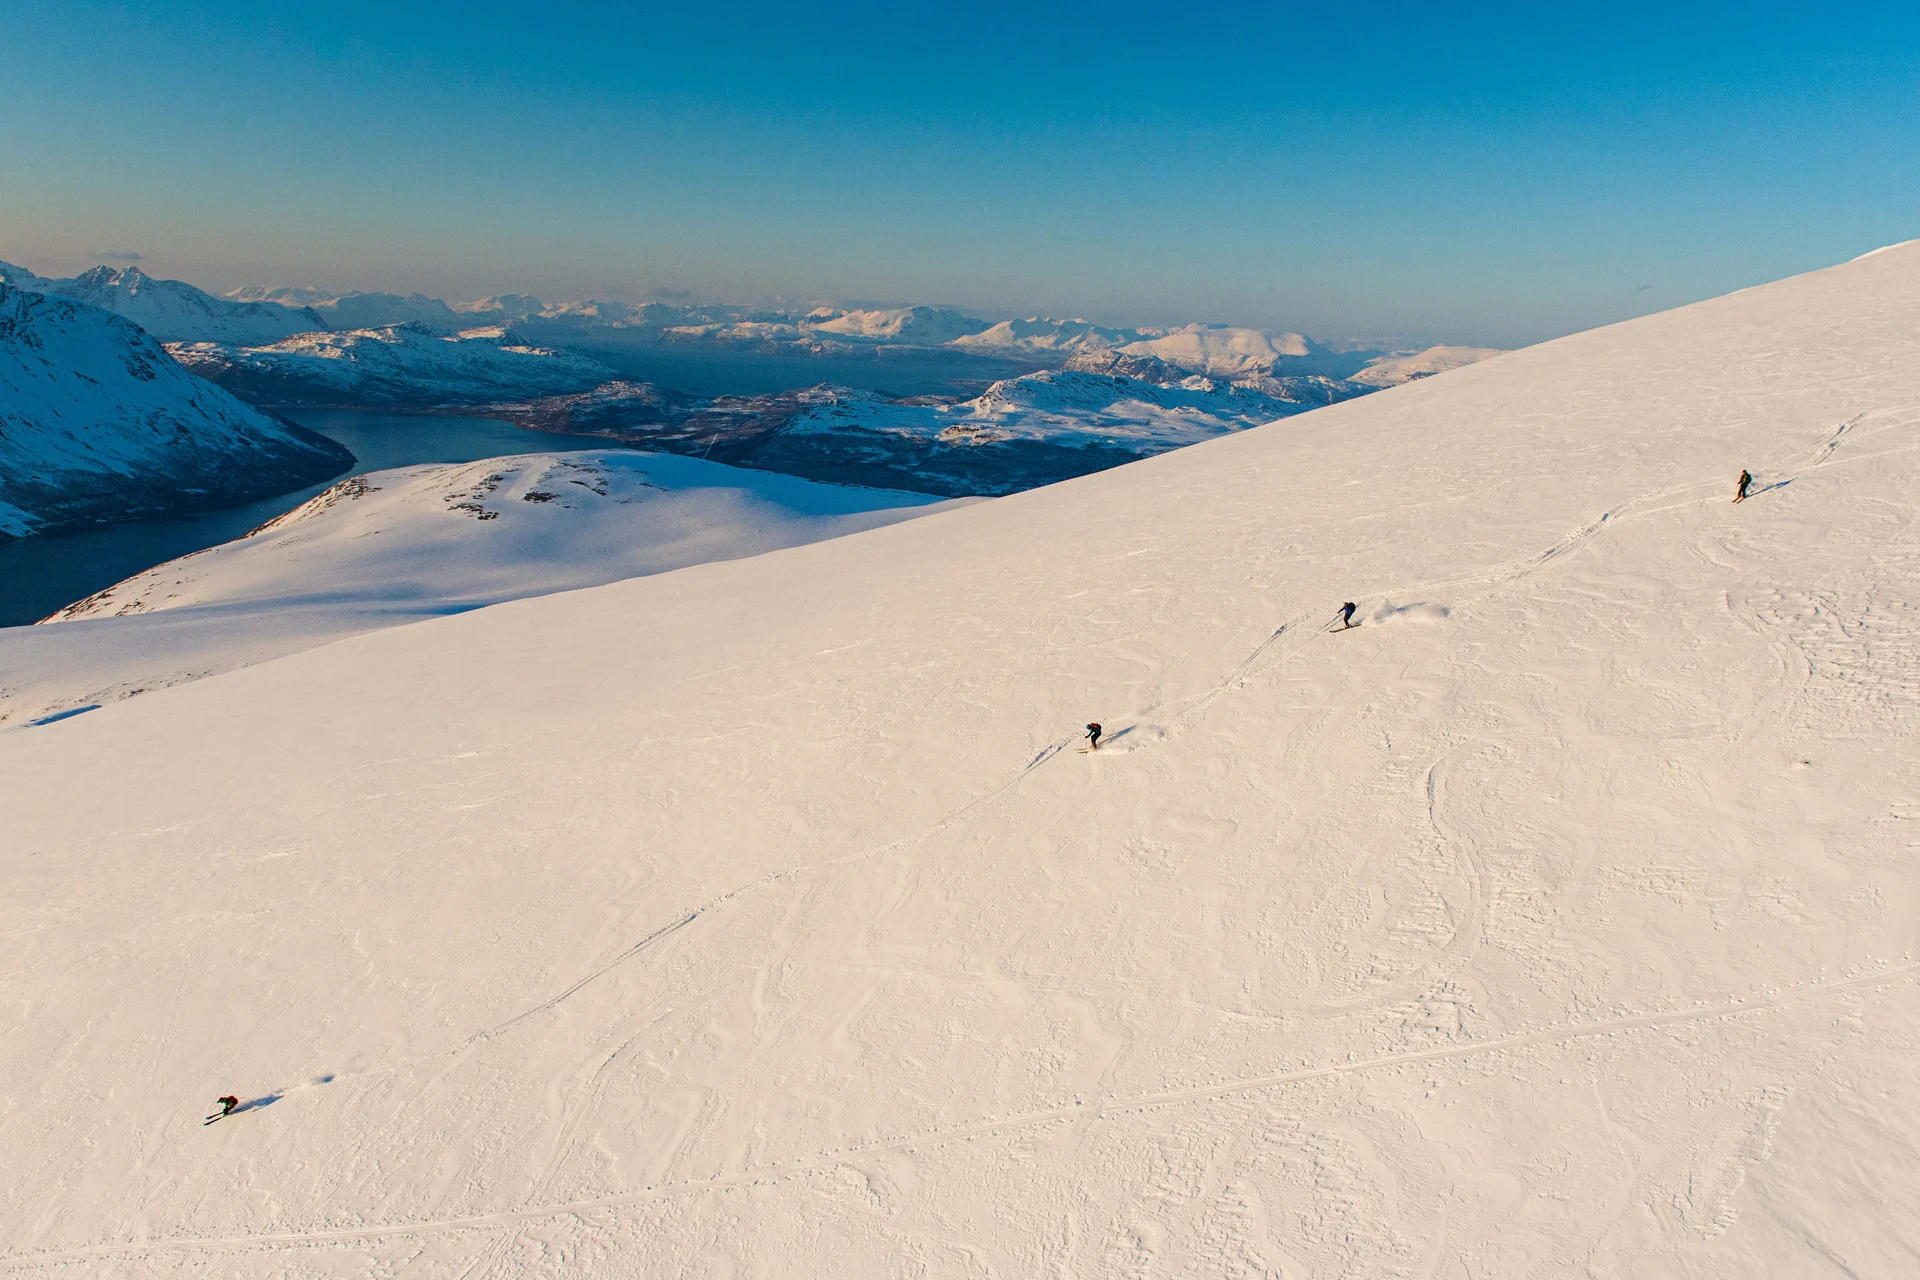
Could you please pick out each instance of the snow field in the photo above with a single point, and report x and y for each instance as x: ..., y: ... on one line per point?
x: 391, y: 547
x: 754, y: 918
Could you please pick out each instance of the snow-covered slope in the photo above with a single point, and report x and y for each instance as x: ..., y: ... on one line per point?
x: 406, y: 364
x: 758, y: 918
x: 921, y: 326
x: 1226, y: 351
x: 97, y: 424
x: 172, y: 310
x: 1391, y: 371
x: 392, y: 547
x: 1073, y: 337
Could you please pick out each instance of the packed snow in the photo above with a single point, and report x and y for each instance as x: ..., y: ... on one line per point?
x: 400, y: 364
x: 97, y: 424
x: 760, y: 917
x: 392, y: 547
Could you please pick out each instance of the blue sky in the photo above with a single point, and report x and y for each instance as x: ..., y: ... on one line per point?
x: 1489, y: 174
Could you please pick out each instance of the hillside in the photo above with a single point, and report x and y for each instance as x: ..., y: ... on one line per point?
x: 759, y: 918
x: 97, y: 424
x: 387, y: 548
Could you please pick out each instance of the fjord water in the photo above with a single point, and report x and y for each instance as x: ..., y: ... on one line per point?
x: 42, y: 574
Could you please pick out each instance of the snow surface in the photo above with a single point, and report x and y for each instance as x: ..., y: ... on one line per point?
x: 96, y: 423
x: 392, y: 547
x: 758, y: 918
x: 403, y: 363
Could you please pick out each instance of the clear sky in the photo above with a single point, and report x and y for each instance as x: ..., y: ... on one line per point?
x: 1491, y: 174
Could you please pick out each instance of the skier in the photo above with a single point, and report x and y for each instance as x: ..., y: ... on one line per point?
x: 1745, y: 480
x: 1093, y: 737
x: 227, y: 1104
x: 1346, y: 614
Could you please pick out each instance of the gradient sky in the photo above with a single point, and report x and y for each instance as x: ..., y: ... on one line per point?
x: 1489, y: 174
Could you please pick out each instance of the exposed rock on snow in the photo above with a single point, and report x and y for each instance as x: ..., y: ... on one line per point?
x: 405, y: 364
x: 97, y: 425
x: 391, y: 547
x: 172, y: 310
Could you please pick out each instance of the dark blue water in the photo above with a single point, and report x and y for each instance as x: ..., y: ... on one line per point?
x: 41, y: 574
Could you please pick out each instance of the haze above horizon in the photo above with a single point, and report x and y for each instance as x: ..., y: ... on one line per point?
x: 1497, y: 176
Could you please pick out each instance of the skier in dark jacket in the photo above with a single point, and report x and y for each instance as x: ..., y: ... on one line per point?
x: 227, y: 1104
x: 1740, y: 495
x: 1093, y: 737
x: 1346, y: 614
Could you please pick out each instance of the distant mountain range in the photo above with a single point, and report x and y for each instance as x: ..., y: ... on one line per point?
x: 98, y: 424
x: 410, y: 364
x: 1097, y: 412
x: 174, y: 311
x: 1094, y: 396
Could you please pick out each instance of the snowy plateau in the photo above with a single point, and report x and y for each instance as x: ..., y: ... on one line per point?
x: 98, y: 424
x: 759, y: 917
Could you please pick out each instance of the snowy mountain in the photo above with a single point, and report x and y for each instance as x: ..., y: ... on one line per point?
x: 379, y: 310
x: 504, y: 308
x: 919, y: 326
x: 1021, y: 432
x: 1391, y: 371
x: 1209, y: 349
x: 392, y: 547
x: 172, y: 310
x: 1226, y: 351
x: 758, y: 918
x: 1073, y: 337
x: 405, y: 364
x: 97, y: 424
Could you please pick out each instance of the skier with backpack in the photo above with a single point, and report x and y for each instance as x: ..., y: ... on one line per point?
x: 1740, y: 495
x: 1093, y: 737
x: 227, y: 1104
x: 1346, y: 615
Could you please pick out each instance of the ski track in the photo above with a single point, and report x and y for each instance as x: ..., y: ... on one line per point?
x: 1724, y: 1007
x: 1837, y: 447
x: 1496, y: 579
